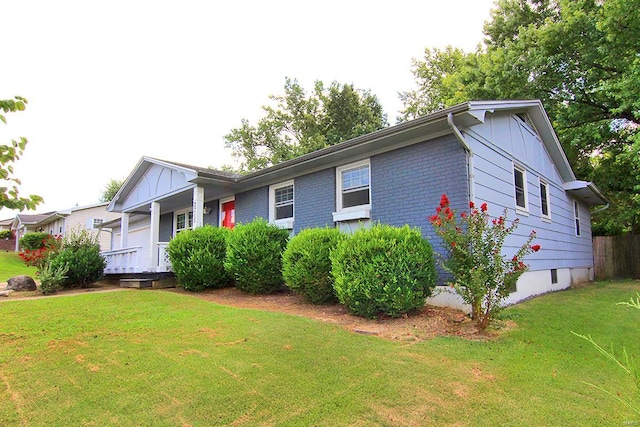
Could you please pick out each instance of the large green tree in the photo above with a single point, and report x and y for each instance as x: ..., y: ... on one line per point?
x: 110, y: 190
x: 9, y: 154
x: 582, y: 59
x: 300, y: 123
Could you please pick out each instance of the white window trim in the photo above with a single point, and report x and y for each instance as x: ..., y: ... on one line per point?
x: 286, y: 223
x: 222, y: 202
x: 520, y: 209
x: 546, y: 217
x: 577, y: 223
x: 175, y: 220
x: 353, y: 212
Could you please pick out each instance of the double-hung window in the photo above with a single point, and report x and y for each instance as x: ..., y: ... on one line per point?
x: 182, y: 220
x: 353, y: 191
x: 520, y: 184
x: 281, y: 204
x: 544, y: 200
x: 576, y: 216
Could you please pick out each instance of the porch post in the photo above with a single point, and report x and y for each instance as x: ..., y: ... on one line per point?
x: 198, y: 206
x: 154, y: 234
x: 124, y: 230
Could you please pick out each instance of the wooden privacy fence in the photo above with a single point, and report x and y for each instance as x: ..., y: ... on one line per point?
x: 617, y: 256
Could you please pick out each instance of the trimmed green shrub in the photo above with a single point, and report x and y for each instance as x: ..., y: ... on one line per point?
x: 254, y: 256
x: 34, y: 241
x: 306, y: 266
x: 197, y: 258
x: 6, y: 234
x: 384, y: 269
x: 80, y: 256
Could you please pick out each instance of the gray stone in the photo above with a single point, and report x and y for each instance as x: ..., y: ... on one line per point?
x: 5, y: 293
x: 21, y: 283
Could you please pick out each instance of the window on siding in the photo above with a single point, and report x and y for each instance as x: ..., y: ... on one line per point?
x: 355, y: 186
x: 520, y: 181
x: 576, y: 216
x: 554, y: 276
x: 97, y: 222
x: 183, y: 220
x: 544, y: 200
x: 281, y: 204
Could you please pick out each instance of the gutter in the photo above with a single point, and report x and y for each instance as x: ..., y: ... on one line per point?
x: 467, y: 148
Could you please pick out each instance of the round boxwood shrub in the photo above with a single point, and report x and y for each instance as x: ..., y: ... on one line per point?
x: 384, y: 269
x: 306, y: 265
x: 80, y: 258
x: 254, y: 256
x: 197, y: 258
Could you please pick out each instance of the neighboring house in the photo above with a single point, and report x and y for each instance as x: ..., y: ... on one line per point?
x: 504, y: 153
x: 61, y: 222
x: 5, y: 224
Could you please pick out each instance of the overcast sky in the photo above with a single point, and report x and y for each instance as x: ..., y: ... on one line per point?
x: 110, y: 82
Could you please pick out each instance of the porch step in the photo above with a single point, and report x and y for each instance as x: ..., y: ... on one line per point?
x: 136, y: 283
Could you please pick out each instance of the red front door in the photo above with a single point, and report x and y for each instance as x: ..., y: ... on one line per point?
x: 229, y: 214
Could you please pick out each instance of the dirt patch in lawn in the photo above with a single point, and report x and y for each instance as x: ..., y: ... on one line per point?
x: 426, y: 323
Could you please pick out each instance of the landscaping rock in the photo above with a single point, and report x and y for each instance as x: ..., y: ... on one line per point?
x: 21, y: 283
x: 5, y: 293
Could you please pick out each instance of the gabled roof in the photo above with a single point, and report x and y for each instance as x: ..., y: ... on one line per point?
x: 387, y: 139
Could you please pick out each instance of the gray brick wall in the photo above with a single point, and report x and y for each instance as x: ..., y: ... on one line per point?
x: 252, y: 204
x: 406, y: 184
x: 212, y: 218
x: 166, y: 227
x: 315, y: 199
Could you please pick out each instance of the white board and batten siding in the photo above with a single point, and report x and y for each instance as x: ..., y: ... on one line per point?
x: 156, y: 181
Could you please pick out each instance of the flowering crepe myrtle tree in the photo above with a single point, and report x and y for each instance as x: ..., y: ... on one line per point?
x: 482, y: 275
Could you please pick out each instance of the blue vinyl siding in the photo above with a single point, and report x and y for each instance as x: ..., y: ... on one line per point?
x: 252, y: 204
x: 492, y: 143
x: 315, y: 200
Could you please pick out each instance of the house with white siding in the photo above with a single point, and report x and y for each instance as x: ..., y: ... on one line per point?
x: 88, y: 217
x: 504, y: 153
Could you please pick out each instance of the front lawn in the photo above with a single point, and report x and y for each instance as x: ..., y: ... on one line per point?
x: 167, y: 359
x: 11, y: 265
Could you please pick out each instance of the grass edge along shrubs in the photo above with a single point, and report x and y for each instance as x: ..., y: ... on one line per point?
x: 306, y: 266
x: 197, y: 258
x: 254, y: 256
x: 383, y: 269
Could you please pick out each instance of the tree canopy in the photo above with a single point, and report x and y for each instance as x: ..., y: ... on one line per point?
x: 110, y: 190
x: 581, y: 58
x: 300, y: 123
x: 9, y: 154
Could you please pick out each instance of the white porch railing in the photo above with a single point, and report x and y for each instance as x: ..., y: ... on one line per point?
x: 164, y: 263
x: 122, y: 260
x: 133, y: 260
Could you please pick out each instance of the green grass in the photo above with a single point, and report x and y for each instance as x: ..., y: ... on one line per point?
x: 166, y: 359
x: 11, y: 265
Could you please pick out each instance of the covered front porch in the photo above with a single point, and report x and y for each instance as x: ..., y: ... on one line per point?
x: 159, y: 200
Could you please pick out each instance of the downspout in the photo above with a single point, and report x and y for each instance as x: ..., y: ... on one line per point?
x: 467, y: 148
x: 604, y: 208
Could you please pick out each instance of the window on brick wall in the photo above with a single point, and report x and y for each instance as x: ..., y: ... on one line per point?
x: 353, y: 191
x: 182, y: 220
x: 281, y: 204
